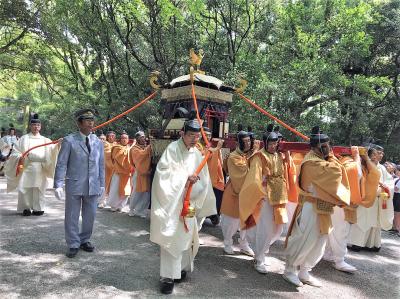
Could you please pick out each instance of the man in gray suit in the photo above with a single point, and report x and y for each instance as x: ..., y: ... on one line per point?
x: 81, y: 163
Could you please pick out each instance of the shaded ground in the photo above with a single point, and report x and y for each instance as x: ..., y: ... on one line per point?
x: 126, y: 263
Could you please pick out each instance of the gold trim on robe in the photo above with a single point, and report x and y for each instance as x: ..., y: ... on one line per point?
x: 268, y: 178
x: 324, y: 184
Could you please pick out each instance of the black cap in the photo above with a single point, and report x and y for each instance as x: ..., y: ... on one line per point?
x: 241, y: 135
x: 123, y: 132
x: 207, y: 129
x: 276, y: 130
x: 35, y: 119
x: 110, y: 132
x: 269, y: 135
x: 86, y: 113
x: 191, y: 125
x: 317, y: 136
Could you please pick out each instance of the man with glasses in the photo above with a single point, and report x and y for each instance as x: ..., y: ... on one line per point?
x: 177, y: 236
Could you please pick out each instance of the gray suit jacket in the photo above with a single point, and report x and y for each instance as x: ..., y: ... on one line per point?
x: 83, y: 173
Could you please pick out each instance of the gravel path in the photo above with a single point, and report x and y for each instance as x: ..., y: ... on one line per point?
x: 126, y: 264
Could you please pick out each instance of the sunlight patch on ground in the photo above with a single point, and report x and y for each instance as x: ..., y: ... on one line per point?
x: 230, y: 274
x: 139, y: 233
x: 32, y: 259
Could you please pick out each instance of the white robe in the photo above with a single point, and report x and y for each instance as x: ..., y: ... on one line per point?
x: 306, y: 245
x: 115, y: 201
x: 168, y: 191
x: 370, y: 221
x: 39, y: 166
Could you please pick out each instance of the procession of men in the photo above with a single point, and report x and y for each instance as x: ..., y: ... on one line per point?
x: 340, y: 202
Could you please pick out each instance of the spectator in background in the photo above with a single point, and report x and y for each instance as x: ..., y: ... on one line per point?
x: 10, y: 139
x: 396, y: 199
x: 390, y: 168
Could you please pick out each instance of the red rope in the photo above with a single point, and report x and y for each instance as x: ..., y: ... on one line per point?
x: 24, y: 154
x: 198, y: 117
x: 126, y: 112
x: 274, y: 118
x: 186, y: 201
x: 20, y: 164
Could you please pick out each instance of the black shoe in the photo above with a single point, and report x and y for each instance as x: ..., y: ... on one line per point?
x: 166, y: 285
x: 355, y: 248
x: 214, y: 219
x: 87, y: 247
x: 183, y: 277
x: 26, y: 213
x: 37, y: 213
x: 374, y: 249
x: 72, y: 252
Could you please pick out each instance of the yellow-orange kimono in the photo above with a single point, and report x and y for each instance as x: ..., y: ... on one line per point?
x: 214, y: 167
x: 140, y: 198
x: 323, y: 184
x: 262, y: 201
x: 236, y: 168
x: 361, y: 194
x: 120, y: 186
x: 140, y: 158
x: 214, y: 164
x: 108, y: 165
x: 268, y: 178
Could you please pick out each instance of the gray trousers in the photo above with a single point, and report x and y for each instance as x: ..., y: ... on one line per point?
x: 73, y: 205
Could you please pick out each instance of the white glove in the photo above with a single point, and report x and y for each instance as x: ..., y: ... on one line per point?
x: 59, y: 193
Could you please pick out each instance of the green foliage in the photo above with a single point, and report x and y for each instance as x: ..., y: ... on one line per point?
x: 329, y: 62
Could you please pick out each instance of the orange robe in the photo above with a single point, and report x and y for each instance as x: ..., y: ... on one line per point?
x: 122, y: 167
x: 268, y: 178
x: 214, y: 164
x: 236, y: 168
x: 215, y: 170
x: 363, y: 191
x: 108, y: 165
x: 141, y: 159
x: 325, y: 184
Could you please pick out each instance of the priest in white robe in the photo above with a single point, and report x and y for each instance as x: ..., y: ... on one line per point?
x: 38, y: 166
x: 177, y: 236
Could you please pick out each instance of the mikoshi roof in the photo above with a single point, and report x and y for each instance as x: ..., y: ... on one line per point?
x: 200, y: 78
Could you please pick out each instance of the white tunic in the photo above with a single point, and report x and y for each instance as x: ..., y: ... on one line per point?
x: 39, y: 165
x: 374, y: 217
x: 168, y: 191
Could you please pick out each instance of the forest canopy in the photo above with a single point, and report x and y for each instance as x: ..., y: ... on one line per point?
x: 333, y: 63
